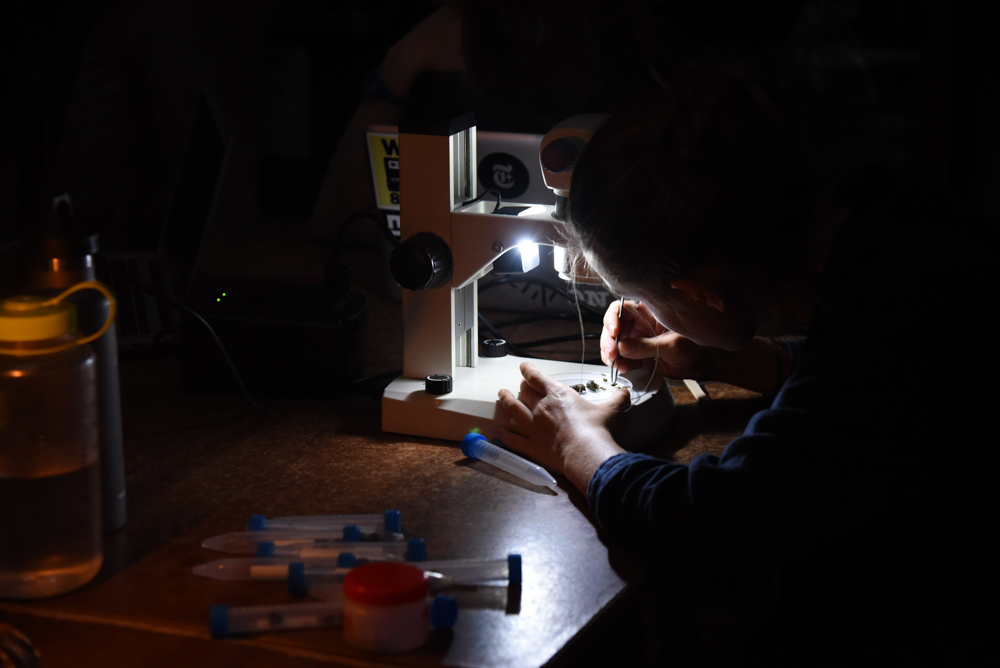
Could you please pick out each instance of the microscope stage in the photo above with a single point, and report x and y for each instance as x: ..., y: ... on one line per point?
x: 472, y: 405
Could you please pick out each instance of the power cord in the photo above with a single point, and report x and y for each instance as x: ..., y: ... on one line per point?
x: 545, y: 284
x: 491, y: 191
x: 374, y: 216
x: 256, y: 405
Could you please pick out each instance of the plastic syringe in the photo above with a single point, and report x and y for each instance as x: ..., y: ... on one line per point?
x: 245, y: 542
x: 225, y: 621
x: 477, y: 447
x: 304, y: 577
x: 386, y: 526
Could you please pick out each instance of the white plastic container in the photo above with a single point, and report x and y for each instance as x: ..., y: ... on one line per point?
x: 386, y: 608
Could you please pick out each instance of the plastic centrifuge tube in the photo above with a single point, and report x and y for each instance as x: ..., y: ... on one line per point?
x: 311, y: 577
x: 250, y: 568
x: 391, y: 551
x: 477, y: 447
x: 246, y: 542
x: 387, y: 526
x: 225, y: 621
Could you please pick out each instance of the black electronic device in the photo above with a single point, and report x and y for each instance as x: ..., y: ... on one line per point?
x: 284, y: 339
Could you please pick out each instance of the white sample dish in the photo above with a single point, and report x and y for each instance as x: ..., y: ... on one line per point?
x: 603, y: 381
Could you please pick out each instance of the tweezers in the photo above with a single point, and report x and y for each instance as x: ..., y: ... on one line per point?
x: 616, y: 362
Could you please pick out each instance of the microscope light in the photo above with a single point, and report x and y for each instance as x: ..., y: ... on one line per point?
x: 529, y: 255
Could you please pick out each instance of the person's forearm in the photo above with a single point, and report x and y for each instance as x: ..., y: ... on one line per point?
x: 761, y: 367
x: 583, y: 462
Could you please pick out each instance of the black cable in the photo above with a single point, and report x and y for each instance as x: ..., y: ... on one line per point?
x: 375, y: 216
x: 379, y: 376
x: 519, y: 349
x: 557, y: 339
x: 491, y: 191
x: 215, y: 337
x: 548, y: 315
x: 512, y: 347
x: 536, y: 281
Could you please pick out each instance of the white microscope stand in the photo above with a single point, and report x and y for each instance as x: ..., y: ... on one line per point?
x: 440, y: 326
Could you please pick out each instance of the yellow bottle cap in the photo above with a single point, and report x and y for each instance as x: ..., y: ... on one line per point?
x: 30, y: 318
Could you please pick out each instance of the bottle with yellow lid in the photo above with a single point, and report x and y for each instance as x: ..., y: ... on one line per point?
x: 50, y: 487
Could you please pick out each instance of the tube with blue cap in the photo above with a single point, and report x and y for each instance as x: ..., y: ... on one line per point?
x: 270, y: 564
x: 392, y: 551
x: 311, y: 578
x: 225, y: 621
x: 237, y: 569
x: 387, y: 526
x: 246, y: 542
x: 476, y: 446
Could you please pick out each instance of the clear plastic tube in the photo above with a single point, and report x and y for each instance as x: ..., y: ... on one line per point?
x: 239, y: 569
x: 388, y: 522
x: 226, y: 621
x: 392, y: 551
x: 477, y: 447
x: 246, y: 542
x: 322, y: 579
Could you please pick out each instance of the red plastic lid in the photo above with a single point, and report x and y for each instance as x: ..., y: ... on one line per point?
x: 386, y: 583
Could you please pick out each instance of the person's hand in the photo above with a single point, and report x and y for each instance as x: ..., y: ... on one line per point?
x: 435, y: 44
x: 551, y: 423
x: 641, y: 340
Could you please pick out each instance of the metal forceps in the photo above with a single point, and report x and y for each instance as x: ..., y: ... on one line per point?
x: 616, y: 362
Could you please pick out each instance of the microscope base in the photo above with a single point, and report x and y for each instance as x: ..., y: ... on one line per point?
x: 408, y: 409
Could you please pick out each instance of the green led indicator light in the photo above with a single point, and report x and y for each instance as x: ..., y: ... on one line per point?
x: 217, y: 299
x: 223, y: 294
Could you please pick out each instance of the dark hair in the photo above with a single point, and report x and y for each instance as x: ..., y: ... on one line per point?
x: 710, y: 175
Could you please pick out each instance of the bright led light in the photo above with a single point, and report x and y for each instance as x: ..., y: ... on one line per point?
x: 529, y: 255
x: 533, y: 210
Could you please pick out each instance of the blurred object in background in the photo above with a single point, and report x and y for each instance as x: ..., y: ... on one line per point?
x: 16, y: 651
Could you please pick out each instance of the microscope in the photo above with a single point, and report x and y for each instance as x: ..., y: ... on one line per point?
x: 449, y: 387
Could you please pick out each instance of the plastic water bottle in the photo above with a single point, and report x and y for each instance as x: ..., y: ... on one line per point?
x: 50, y: 480
x: 61, y: 255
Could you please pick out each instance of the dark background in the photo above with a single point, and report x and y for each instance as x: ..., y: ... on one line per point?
x: 96, y: 97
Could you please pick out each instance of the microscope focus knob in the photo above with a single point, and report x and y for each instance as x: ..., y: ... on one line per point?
x: 494, y: 348
x: 422, y: 261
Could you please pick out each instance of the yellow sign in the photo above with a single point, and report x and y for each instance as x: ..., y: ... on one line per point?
x: 383, y: 150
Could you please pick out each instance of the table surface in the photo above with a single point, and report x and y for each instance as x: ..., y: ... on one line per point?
x: 197, y: 466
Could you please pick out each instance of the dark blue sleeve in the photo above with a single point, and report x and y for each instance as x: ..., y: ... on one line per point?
x: 794, y: 353
x: 762, y: 500
x: 803, y: 471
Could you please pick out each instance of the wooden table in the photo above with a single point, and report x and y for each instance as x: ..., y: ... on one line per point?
x: 199, y: 466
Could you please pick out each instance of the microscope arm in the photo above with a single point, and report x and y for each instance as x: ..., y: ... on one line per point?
x: 478, y: 237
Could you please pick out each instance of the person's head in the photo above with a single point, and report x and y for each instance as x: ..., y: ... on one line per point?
x: 696, y: 205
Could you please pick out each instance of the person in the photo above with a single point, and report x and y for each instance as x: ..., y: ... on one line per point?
x: 846, y: 524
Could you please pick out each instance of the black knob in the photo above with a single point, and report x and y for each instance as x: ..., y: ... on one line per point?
x: 422, y: 261
x: 494, y: 348
x: 438, y: 383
